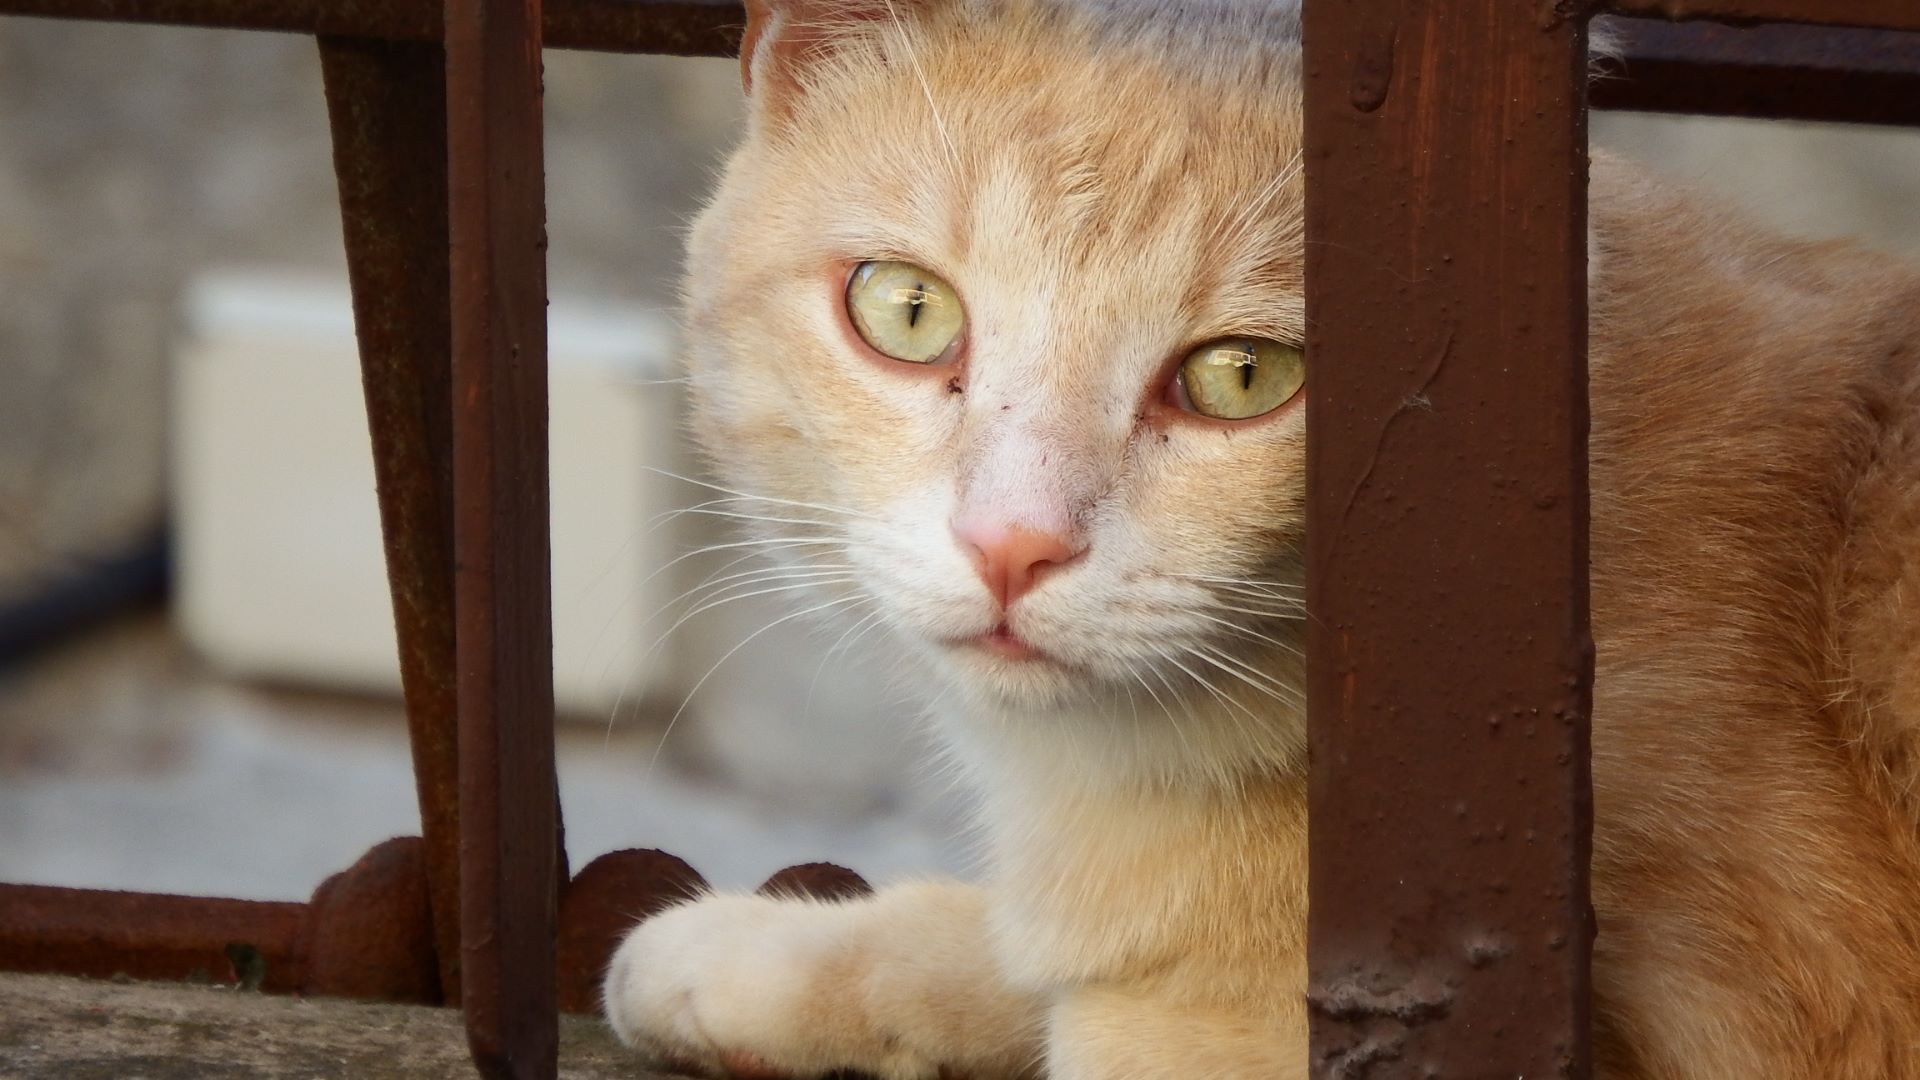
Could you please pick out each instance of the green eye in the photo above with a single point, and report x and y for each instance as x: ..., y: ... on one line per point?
x: 1241, y: 378
x: 904, y: 311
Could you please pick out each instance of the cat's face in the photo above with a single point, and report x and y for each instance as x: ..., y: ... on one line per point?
x: 1076, y: 214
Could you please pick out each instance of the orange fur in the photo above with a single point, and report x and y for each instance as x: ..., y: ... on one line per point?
x: 1106, y: 184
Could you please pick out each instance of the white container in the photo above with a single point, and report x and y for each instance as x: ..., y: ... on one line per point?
x: 280, y: 572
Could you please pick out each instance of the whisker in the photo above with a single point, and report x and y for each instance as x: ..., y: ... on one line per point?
x: 620, y: 700
x: 754, y: 577
x: 767, y: 541
x: 710, y: 604
x: 797, y: 504
x: 759, y: 547
x: 1207, y: 685
x: 1172, y: 720
x: 1247, y: 724
x: 1245, y: 632
x: 691, y: 694
x: 739, y: 515
x: 1296, y: 614
x: 1260, y: 583
x: 730, y: 500
x: 1259, y: 594
x: 858, y: 629
x: 642, y: 383
x: 926, y: 88
x: 1267, y: 684
x: 1132, y: 701
x: 708, y: 595
x: 1137, y: 677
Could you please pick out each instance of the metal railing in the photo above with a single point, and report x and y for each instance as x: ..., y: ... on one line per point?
x: 1426, y: 703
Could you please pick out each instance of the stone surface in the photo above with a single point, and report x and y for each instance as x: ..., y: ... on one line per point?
x: 76, y: 1029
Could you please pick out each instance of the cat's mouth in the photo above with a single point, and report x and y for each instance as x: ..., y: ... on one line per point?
x: 1001, y: 641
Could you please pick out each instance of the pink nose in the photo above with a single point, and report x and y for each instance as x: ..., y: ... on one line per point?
x: 1011, y: 558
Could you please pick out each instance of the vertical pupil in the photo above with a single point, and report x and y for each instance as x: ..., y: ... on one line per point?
x: 1247, y: 363
x: 915, y: 298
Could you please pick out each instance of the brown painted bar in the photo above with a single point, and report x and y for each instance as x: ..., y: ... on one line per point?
x: 1871, y: 14
x: 510, y: 865
x: 1449, y: 663
x: 1776, y: 71
x: 675, y: 27
x: 101, y: 934
x: 366, y: 932
x: 363, y: 934
x: 386, y: 102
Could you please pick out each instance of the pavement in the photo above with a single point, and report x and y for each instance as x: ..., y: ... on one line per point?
x: 126, y: 764
x: 75, y: 1029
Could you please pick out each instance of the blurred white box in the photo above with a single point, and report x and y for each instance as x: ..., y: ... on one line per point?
x: 279, y: 568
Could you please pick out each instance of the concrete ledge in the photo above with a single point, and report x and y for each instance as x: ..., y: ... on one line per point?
x: 78, y: 1029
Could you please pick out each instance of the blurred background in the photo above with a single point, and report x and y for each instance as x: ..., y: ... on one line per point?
x: 197, y: 690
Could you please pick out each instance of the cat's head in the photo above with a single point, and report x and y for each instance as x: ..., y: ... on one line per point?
x: 998, y: 308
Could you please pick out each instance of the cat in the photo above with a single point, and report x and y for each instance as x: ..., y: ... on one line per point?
x: 998, y: 304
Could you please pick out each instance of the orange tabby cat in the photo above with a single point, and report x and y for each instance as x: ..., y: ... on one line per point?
x: 999, y: 304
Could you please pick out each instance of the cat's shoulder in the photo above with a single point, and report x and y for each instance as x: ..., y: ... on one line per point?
x: 1666, y: 253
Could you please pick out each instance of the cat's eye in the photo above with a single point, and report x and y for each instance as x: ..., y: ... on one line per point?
x: 1241, y: 378
x: 904, y: 311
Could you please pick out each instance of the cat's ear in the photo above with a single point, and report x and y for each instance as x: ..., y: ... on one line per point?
x: 784, y: 36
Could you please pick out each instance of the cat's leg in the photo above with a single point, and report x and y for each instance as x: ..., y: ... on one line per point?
x: 902, y: 984
x: 1118, y: 1033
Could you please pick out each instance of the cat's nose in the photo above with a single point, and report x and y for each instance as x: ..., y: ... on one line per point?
x: 1011, y: 558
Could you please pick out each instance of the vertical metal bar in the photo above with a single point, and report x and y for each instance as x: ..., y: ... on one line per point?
x: 387, y: 105
x: 508, y: 799
x: 1449, y: 659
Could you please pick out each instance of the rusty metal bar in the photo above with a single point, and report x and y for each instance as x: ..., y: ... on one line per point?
x: 676, y: 27
x: 1449, y: 662
x: 386, y: 102
x: 366, y: 933
x: 363, y: 934
x: 510, y: 850
x: 1787, y: 72
x: 1778, y: 72
x: 102, y: 934
x: 1868, y: 14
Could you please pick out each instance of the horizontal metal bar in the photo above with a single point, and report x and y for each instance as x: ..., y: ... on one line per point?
x: 712, y: 27
x: 365, y: 934
x: 1776, y: 72
x: 148, y: 936
x: 1868, y: 14
x: 1825, y: 73
x: 674, y: 27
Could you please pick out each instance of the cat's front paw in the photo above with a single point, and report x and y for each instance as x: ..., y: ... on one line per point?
x: 752, y: 988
